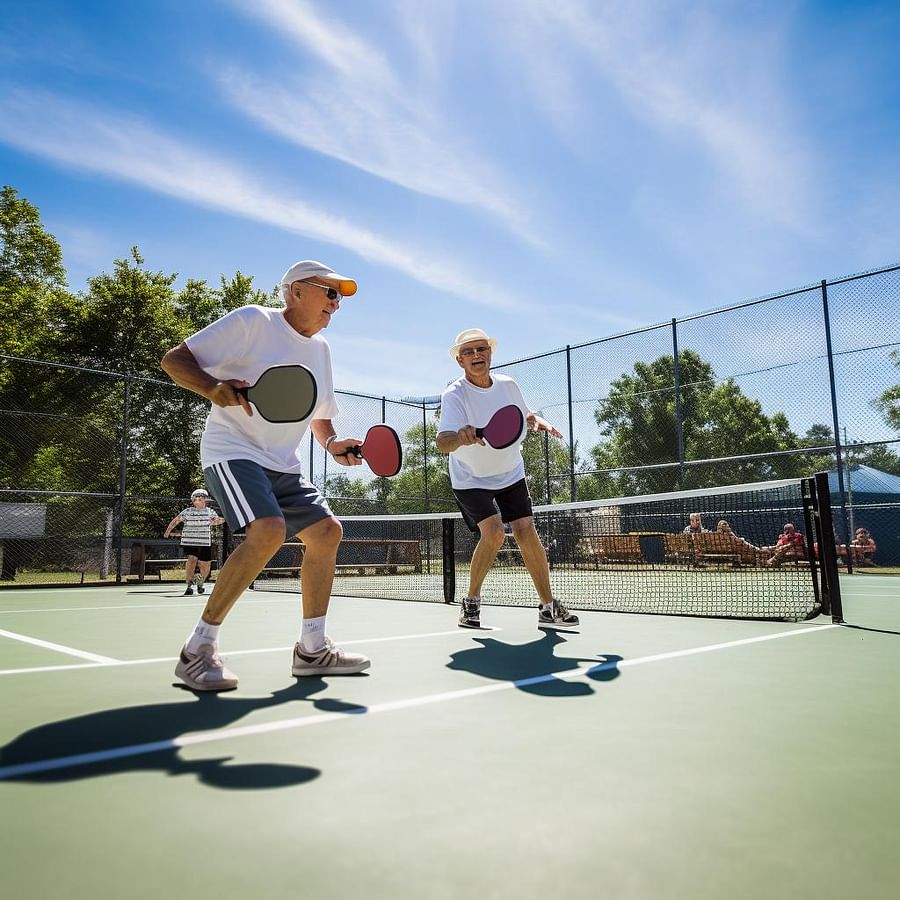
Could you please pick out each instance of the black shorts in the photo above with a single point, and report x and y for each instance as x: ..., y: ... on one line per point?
x: 477, y: 504
x: 203, y: 554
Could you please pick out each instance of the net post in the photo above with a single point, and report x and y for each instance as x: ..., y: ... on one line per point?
x: 827, y: 550
x: 810, y: 520
x: 448, y: 547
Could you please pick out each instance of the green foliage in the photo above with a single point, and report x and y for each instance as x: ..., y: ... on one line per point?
x: 66, y: 434
x: 638, y: 419
x: 32, y: 279
x: 889, y: 402
x: 409, y: 487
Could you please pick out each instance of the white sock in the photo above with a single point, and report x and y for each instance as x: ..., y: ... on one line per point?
x: 204, y: 633
x: 312, y: 634
x: 546, y: 605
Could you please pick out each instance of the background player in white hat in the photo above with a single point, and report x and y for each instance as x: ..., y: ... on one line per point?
x: 196, y: 539
x: 489, y: 484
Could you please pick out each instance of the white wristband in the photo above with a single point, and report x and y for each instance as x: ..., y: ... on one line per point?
x: 329, y: 439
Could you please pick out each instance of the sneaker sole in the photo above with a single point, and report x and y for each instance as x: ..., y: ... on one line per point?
x: 330, y: 670
x: 469, y: 624
x: 554, y: 626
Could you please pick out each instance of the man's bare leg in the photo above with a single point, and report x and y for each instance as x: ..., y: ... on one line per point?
x: 189, y: 568
x: 489, y: 544
x: 533, y: 555
x: 317, y: 572
x: 264, y: 537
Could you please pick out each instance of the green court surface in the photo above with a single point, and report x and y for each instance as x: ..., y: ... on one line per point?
x: 639, y: 757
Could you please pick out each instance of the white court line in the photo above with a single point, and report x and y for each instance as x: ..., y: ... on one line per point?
x: 71, y: 651
x: 193, y: 605
x: 189, y: 740
x: 102, y: 661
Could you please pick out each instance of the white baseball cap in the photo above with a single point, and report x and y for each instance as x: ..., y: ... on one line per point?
x: 471, y: 334
x: 199, y: 493
x: 309, y: 268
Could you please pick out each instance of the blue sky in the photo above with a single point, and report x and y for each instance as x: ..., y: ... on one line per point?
x: 549, y: 170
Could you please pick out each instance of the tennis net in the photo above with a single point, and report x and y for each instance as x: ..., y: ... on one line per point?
x: 627, y: 555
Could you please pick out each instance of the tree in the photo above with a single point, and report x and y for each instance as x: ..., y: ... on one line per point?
x: 32, y: 279
x: 545, y: 455
x: 889, y: 402
x: 421, y: 458
x: 718, y: 420
x: 348, y: 496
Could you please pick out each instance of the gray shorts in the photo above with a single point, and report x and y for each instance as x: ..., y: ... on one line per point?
x: 245, y: 491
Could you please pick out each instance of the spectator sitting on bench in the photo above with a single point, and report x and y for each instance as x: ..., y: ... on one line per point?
x: 862, y: 548
x: 748, y: 552
x: 695, y: 525
x: 789, y: 546
x: 196, y: 539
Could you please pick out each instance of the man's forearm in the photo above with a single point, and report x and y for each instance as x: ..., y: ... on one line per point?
x: 181, y: 366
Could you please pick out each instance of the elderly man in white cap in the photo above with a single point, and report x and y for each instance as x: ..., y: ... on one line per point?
x: 196, y: 539
x: 489, y: 484
x: 253, y: 467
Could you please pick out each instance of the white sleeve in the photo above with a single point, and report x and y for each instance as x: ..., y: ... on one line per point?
x: 453, y: 413
x: 326, y: 403
x: 221, y: 342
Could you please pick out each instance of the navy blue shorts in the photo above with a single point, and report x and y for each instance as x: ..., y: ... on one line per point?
x: 245, y: 491
x: 477, y: 504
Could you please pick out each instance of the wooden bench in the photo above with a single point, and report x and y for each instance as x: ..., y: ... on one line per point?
x: 377, y: 555
x: 619, y: 548
x: 678, y: 548
x: 142, y: 566
x: 715, y: 548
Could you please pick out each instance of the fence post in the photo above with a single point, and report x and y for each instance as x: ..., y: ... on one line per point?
x: 834, y: 409
x: 425, y: 455
x: 838, y: 450
x: 573, y: 491
x: 547, y: 467
x: 123, y: 475
x: 679, y: 430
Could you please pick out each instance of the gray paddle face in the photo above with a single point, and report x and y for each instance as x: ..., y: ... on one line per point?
x: 283, y: 394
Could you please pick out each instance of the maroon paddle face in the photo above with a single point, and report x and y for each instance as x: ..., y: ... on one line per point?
x: 381, y: 450
x: 504, y: 428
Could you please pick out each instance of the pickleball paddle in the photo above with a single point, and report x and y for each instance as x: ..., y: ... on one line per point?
x: 283, y: 394
x: 381, y: 450
x: 504, y: 428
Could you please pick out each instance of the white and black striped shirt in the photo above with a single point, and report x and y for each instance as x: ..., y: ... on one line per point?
x: 197, y: 528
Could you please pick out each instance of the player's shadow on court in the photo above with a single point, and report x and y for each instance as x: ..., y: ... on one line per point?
x: 145, y: 736
x: 531, y: 667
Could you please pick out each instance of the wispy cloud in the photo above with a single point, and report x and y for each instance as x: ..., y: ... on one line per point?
x: 129, y: 149
x: 694, y: 85
x: 399, y: 368
x: 357, y: 107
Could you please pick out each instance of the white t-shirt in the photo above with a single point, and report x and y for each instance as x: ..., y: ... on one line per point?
x: 463, y: 403
x: 243, y: 344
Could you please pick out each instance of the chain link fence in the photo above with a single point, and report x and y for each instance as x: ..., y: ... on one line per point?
x: 94, y: 464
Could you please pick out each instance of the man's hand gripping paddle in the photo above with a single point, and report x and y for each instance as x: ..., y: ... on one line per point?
x: 381, y: 450
x: 504, y: 428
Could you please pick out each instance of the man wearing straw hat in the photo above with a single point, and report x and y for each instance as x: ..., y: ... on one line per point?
x: 489, y: 484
